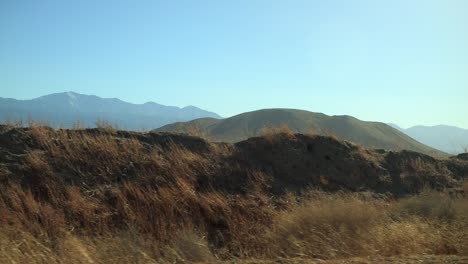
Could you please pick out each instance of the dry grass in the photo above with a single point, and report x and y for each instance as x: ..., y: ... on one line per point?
x: 434, y: 205
x: 337, y: 226
x: 271, y: 133
x: 80, y: 184
x: 198, y: 132
x: 92, y: 197
x: 324, y: 226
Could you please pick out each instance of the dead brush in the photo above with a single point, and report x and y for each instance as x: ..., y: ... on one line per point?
x: 197, y: 132
x: 331, y: 134
x: 271, y: 133
x: 430, y: 204
x: 417, y: 165
x: 37, y: 162
x: 338, y: 226
x: 327, y: 226
x: 106, y: 125
x: 81, y: 152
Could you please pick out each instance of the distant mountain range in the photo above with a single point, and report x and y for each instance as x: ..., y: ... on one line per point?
x: 449, y: 139
x: 65, y: 109
x: 240, y: 127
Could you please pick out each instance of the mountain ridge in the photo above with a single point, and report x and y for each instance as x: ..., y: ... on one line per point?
x: 67, y: 108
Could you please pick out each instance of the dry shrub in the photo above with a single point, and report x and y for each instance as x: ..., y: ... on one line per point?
x: 338, y: 226
x: 410, y: 236
x: 325, y: 227
x: 35, y: 123
x: 42, y: 135
x: 13, y: 122
x: 270, y: 133
x: 198, y: 132
x: 105, y: 125
x: 222, y: 150
x: 330, y: 133
x: 37, y: 162
x: 430, y: 205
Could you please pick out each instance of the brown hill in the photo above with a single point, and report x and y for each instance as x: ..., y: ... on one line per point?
x: 251, y: 124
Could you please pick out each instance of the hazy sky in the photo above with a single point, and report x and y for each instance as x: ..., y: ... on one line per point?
x: 400, y: 61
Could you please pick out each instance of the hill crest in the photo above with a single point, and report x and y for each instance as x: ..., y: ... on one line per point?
x: 240, y: 127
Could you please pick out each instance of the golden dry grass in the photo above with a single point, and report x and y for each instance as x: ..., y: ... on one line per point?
x: 338, y: 226
x: 325, y: 226
x: 271, y: 133
x: 97, y: 212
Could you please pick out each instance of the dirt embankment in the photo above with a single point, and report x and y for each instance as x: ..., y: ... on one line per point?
x: 124, y: 195
x: 277, y: 164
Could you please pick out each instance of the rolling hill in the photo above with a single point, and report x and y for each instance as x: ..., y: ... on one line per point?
x: 64, y: 109
x: 250, y: 124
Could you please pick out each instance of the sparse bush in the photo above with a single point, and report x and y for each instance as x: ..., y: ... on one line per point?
x: 428, y: 204
x: 197, y: 132
x: 105, y: 125
x: 337, y: 226
x: 270, y: 133
x: 325, y: 227
x: 330, y: 133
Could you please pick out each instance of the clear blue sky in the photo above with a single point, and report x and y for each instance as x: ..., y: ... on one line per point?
x: 400, y: 61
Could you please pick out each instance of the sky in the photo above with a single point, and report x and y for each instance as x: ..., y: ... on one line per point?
x: 396, y: 61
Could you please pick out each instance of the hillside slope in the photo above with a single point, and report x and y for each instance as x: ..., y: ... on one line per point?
x: 65, y: 109
x: 243, y: 126
x: 119, y: 195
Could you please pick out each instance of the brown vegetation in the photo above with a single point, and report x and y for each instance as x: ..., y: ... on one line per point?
x: 106, y: 196
x: 271, y: 133
x: 324, y: 226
